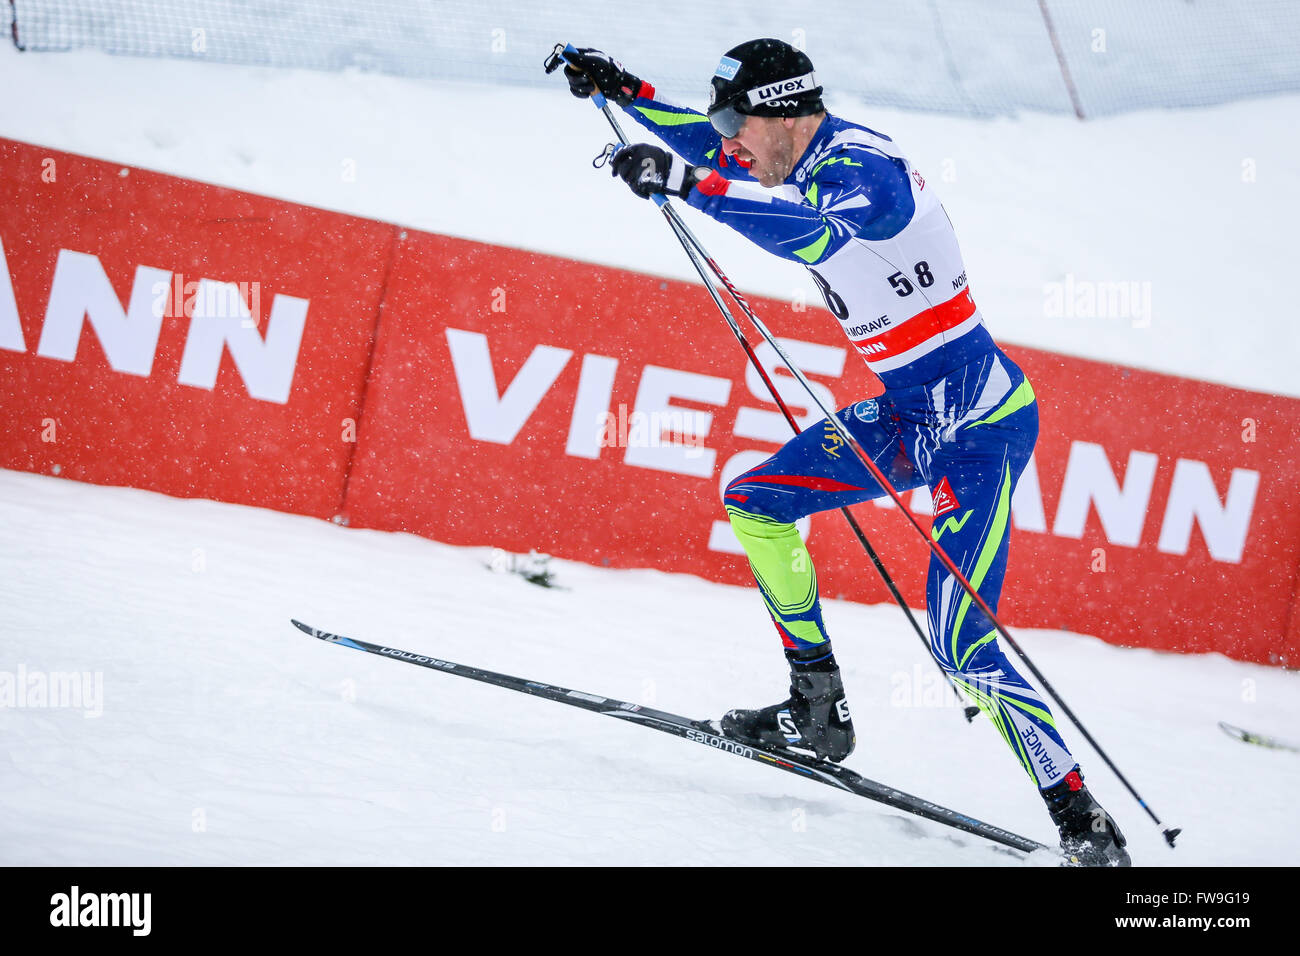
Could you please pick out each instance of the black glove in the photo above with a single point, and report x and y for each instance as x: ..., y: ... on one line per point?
x: 591, y: 70
x: 649, y: 169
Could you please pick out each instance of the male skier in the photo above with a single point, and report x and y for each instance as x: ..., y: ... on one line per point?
x: 957, y: 415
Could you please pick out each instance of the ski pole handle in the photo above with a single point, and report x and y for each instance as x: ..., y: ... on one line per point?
x: 558, y: 58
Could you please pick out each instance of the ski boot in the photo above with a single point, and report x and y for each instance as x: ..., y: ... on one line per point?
x: 1089, y: 837
x: 815, y: 717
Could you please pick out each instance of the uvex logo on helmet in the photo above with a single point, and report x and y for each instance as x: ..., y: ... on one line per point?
x: 794, y: 85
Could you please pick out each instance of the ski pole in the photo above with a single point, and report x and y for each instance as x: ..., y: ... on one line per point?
x: 969, y: 711
x: 681, y: 229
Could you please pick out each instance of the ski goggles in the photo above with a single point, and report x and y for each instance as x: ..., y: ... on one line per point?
x: 796, y: 96
x: 727, y: 121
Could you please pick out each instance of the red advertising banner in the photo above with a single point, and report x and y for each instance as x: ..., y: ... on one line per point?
x: 198, y: 341
x: 180, y: 337
x: 526, y: 401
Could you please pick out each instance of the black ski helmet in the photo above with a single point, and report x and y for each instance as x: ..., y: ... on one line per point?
x: 762, y: 78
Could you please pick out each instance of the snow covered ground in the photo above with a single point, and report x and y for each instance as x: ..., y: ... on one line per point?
x: 1195, y: 208
x: 225, y: 736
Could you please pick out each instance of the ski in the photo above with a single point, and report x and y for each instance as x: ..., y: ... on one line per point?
x: 701, y: 732
x: 1249, y: 737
